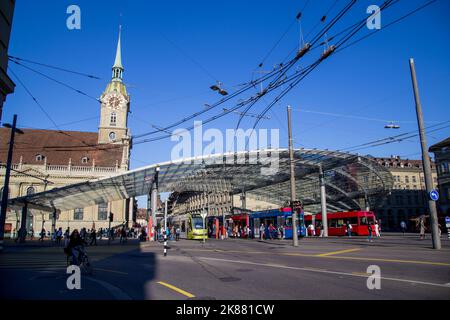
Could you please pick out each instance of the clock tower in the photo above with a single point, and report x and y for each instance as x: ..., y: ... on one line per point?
x: 115, y: 105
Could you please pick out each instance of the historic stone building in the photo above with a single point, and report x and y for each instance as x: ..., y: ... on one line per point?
x: 46, y: 159
x: 408, y: 198
x: 441, y: 152
x: 6, y: 17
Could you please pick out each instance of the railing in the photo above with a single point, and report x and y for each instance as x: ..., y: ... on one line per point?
x: 67, y: 168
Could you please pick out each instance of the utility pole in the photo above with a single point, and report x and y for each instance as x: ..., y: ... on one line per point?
x: 165, y: 215
x: 293, y: 192
x: 5, y: 194
x: 323, y: 202
x: 426, y: 161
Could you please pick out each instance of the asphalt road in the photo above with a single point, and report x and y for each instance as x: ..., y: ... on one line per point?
x: 235, y: 269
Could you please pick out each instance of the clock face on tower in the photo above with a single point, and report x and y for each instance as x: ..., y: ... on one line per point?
x: 115, y: 101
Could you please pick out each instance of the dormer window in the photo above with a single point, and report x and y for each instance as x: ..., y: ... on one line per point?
x: 40, y: 157
x: 84, y: 160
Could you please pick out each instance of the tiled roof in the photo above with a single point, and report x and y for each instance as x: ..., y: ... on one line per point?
x: 58, y: 147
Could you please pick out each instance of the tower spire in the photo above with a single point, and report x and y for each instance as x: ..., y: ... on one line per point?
x: 117, y: 68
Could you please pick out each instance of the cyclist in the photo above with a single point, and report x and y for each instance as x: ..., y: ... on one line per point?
x: 76, y: 246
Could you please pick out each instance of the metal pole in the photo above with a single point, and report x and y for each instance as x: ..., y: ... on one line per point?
x: 23, y: 222
x: 323, y: 201
x: 53, y: 222
x: 293, y: 192
x: 165, y: 215
x: 5, y: 194
x: 426, y: 161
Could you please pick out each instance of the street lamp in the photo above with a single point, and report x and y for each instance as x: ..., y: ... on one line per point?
x: 392, y: 125
x: 5, y: 195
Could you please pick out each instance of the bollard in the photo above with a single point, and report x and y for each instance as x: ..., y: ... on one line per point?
x: 165, y: 245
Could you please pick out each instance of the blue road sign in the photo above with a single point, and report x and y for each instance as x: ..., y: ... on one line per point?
x: 434, y: 195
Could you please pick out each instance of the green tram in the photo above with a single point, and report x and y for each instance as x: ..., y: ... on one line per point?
x: 191, y: 226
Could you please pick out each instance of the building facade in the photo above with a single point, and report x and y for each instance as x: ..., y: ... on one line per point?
x: 441, y: 152
x: 408, y: 198
x: 6, y: 17
x: 47, y: 159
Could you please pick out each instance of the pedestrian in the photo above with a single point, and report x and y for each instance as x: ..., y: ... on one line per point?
x: 312, y: 230
x: 282, y: 232
x: 422, y: 227
x: 261, y: 231
x: 349, y: 229
x: 66, y: 237
x: 93, y: 237
x: 321, y: 230
x: 403, y: 226
x: 59, y: 235
x: 377, y: 230
x: 370, y: 230
x: 177, y: 234
x: 123, y: 235
x: 42, y: 234
x: 32, y: 233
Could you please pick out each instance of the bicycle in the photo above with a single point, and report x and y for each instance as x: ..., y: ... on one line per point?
x: 82, y: 261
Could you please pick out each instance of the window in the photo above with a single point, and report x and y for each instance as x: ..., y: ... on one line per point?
x: 407, y: 179
x: 414, y: 179
x: 112, y: 136
x: 30, y: 191
x: 40, y: 157
x: 78, y: 214
x: 84, y: 160
x: 102, y: 211
x: 113, y: 119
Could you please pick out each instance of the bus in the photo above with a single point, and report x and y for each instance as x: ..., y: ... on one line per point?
x: 191, y: 226
x: 337, y: 222
x: 276, y: 217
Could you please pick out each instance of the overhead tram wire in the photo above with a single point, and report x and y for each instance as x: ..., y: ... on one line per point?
x: 54, y: 67
x: 45, y: 112
x: 269, y: 88
x: 245, y: 88
x: 297, y: 57
x: 389, y: 24
x: 55, y: 80
x: 340, y: 43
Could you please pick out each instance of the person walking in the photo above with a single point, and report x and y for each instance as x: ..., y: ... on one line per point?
x: 321, y: 230
x: 93, y: 237
x: 262, y: 229
x: 59, y: 235
x: 177, y: 234
x: 403, y: 227
x: 349, y: 229
x: 370, y: 230
x: 422, y: 228
x: 66, y: 237
x: 377, y: 229
x: 42, y: 234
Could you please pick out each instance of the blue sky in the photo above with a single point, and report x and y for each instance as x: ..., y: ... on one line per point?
x: 227, y: 40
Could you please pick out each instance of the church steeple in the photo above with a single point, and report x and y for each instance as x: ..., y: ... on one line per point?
x: 117, y: 68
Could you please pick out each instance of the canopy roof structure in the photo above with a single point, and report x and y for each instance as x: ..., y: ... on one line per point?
x: 262, y: 173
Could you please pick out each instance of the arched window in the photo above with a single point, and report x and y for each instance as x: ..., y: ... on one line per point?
x: 113, y: 119
x: 84, y: 160
x: 30, y: 191
x: 40, y: 157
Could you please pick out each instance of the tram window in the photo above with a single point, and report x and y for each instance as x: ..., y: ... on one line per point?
x: 363, y: 221
x: 183, y: 226
x: 353, y: 220
x: 339, y: 223
x: 289, y: 222
x: 333, y: 223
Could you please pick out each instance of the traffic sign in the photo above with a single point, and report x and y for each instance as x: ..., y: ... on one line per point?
x: 434, y: 195
x: 447, y: 222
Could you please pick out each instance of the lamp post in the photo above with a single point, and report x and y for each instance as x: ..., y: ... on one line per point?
x: 5, y: 194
